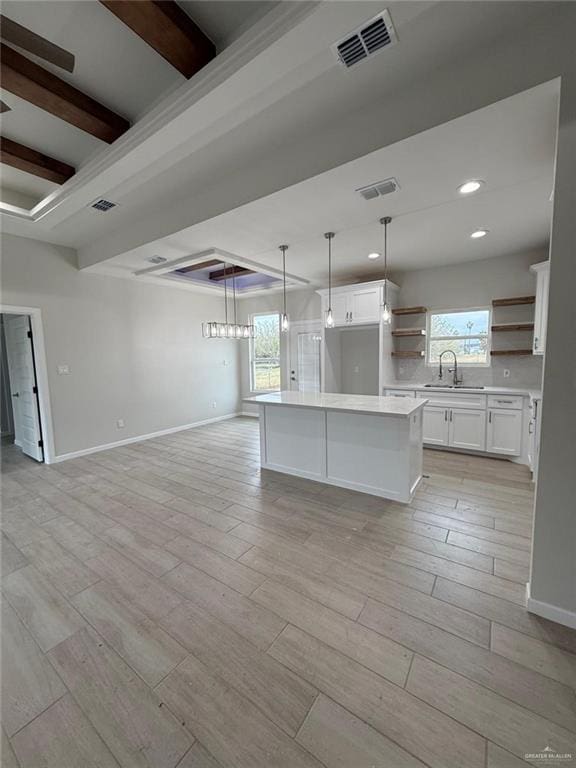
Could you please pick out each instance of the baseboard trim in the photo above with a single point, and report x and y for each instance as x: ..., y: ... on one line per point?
x: 248, y: 413
x: 140, y: 438
x: 548, y: 611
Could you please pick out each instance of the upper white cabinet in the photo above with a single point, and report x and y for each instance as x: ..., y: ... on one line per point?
x: 541, y: 309
x: 359, y: 304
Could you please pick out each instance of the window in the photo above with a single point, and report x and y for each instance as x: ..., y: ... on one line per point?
x: 265, y: 353
x: 464, y: 331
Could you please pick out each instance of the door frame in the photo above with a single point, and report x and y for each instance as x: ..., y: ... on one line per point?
x: 35, y: 315
x: 302, y: 325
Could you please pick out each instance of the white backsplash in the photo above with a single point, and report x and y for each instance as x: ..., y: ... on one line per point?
x: 525, y: 372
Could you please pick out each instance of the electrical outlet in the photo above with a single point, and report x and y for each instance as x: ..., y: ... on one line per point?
x: 225, y: 363
x: 213, y: 404
x: 506, y: 373
x: 120, y: 424
x: 356, y: 369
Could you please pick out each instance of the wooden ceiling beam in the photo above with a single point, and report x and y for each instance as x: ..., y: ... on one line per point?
x: 32, y: 161
x: 168, y: 29
x: 226, y: 274
x: 36, y: 85
x: 201, y: 265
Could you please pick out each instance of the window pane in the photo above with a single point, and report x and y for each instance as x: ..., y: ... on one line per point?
x: 473, y: 323
x: 468, y: 351
x: 266, y: 352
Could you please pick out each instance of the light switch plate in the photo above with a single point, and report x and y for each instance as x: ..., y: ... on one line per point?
x: 63, y: 370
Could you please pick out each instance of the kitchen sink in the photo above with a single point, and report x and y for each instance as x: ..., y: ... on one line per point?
x: 451, y: 386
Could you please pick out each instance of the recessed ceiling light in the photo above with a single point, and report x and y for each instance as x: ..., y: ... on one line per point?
x: 472, y: 185
x: 374, y: 255
x: 479, y: 233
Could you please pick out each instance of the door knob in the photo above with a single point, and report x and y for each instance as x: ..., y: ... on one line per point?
x: 16, y: 394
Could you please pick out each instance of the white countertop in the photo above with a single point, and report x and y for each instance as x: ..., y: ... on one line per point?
x: 535, y: 394
x: 382, y: 406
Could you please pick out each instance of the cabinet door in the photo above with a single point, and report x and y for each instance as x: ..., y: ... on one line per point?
x: 467, y: 429
x: 541, y: 311
x: 340, y: 308
x: 365, y: 305
x: 435, y: 425
x: 504, y: 433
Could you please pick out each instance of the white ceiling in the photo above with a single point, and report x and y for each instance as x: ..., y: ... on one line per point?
x: 113, y: 65
x: 510, y: 145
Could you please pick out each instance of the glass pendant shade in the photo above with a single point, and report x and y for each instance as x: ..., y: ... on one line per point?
x: 284, y: 323
x: 329, y: 322
x: 386, y: 313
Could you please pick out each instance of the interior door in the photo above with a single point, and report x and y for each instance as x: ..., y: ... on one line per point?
x: 20, y: 352
x: 467, y: 429
x: 435, y: 425
x: 305, y: 359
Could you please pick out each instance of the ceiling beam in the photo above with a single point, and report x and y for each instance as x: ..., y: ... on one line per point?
x: 32, y: 161
x: 31, y: 82
x: 168, y: 29
x: 226, y: 274
x: 201, y: 265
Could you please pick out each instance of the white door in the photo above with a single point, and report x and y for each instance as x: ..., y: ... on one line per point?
x: 305, y: 358
x: 504, y: 433
x: 467, y: 429
x: 23, y: 385
x: 365, y: 305
x: 435, y: 425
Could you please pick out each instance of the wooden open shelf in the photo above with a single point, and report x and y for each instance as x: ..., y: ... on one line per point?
x: 418, y: 354
x: 409, y: 332
x: 513, y: 327
x: 409, y: 310
x: 512, y: 302
x: 501, y: 352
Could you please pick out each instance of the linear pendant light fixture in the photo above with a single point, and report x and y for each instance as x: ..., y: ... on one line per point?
x: 226, y: 330
x: 386, y: 313
x: 329, y: 319
x: 284, y: 323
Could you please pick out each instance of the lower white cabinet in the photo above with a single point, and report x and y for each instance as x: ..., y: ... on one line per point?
x: 467, y: 429
x: 504, y: 431
x: 455, y: 427
x: 435, y: 425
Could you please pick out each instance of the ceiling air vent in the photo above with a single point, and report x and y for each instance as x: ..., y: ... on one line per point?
x: 370, y: 38
x: 379, y: 189
x: 157, y: 259
x: 103, y: 205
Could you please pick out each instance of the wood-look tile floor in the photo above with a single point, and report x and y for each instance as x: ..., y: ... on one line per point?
x: 168, y: 604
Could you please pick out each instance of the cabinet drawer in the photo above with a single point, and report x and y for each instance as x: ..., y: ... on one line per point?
x: 399, y: 393
x: 514, y: 402
x: 456, y: 400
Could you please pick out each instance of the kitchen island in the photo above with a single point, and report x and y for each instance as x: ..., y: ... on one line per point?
x: 365, y: 443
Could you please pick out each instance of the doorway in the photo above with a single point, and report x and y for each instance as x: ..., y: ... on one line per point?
x: 21, y: 419
x: 304, y: 355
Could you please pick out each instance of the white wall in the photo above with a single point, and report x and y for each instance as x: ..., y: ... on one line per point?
x: 135, y: 351
x: 553, y: 577
x: 475, y: 284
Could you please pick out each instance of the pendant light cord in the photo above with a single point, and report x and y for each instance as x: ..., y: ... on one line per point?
x: 385, y: 221
x: 234, y: 293
x: 329, y: 236
x: 284, y: 274
x: 226, y: 294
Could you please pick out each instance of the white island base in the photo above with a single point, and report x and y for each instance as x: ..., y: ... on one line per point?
x: 365, y: 443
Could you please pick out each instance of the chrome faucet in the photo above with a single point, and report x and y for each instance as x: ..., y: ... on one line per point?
x: 455, y: 379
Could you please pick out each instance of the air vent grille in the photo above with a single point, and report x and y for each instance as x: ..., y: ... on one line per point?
x: 157, y: 259
x: 102, y: 205
x: 379, y: 189
x: 376, y: 34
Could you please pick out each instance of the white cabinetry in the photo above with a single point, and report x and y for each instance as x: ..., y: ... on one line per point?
x: 435, y: 425
x: 541, y: 308
x: 504, y: 433
x: 359, y: 304
x: 467, y: 429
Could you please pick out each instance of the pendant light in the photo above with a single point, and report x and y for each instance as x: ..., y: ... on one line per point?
x: 386, y: 313
x: 226, y: 330
x: 329, y: 320
x: 284, y: 324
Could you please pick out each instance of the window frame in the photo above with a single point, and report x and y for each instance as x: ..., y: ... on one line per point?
x: 252, y: 341
x: 457, y: 310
